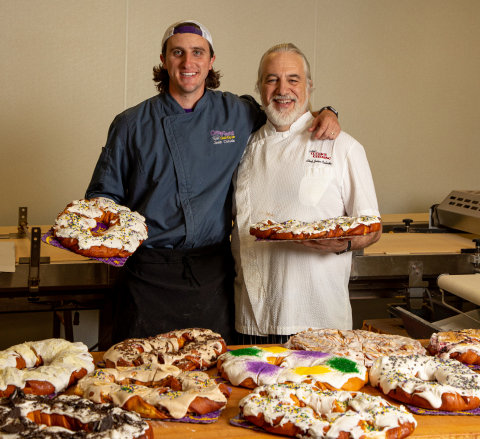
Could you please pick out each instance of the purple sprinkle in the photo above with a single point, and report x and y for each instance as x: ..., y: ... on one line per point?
x: 259, y: 367
x: 311, y: 354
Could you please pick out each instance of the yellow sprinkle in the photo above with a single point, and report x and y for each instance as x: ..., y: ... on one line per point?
x: 275, y: 349
x: 314, y: 370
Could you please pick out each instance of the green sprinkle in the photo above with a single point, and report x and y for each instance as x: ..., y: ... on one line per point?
x: 253, y: 352
x: 343, y: 365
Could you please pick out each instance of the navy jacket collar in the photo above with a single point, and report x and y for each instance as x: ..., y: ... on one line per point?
x: 173, y: 107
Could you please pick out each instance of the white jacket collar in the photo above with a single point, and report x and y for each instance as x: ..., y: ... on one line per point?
x: 304, y: 120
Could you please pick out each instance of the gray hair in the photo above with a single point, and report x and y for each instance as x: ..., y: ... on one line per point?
x: 285, y: 47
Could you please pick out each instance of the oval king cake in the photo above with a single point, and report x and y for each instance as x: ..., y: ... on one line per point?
x: 255, y: 366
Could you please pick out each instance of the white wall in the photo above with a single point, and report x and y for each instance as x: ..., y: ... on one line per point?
x: 404, y: 76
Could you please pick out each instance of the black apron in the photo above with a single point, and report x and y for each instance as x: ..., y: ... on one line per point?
x: 160, y: 290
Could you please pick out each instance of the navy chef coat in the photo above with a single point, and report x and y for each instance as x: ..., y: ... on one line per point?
x: 175, y: 168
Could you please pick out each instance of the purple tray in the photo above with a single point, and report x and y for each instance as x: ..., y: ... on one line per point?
x: 48, y: 238
x: 473, y: 366
x: 240, y: 421
x: 422, y: 411
x: 198, y: 419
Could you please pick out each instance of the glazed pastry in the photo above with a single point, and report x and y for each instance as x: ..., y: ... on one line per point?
x: 303, y: 411
x: 427, y: 382
x: 33, y: 417
x: 189, y: 349
x: 76, y: 228
x: 43, y: 367
x: 255, y: 366
x: 156, y: 391
x: 363, y: 346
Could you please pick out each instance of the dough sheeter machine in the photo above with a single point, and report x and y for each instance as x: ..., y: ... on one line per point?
x: 431, y: 263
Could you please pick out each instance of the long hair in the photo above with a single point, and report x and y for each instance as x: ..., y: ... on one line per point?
x: 160, y: 73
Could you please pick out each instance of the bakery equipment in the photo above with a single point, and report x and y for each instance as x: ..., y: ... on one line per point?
x: 58, y: 281
x: 408, y: 259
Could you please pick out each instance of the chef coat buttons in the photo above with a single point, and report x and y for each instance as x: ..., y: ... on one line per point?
x: 285, y: 135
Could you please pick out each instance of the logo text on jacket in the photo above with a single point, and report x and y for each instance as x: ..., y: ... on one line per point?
x: 222, y: 137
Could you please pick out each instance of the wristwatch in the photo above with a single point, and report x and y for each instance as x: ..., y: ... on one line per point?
x: 329, y: 108
x: 349, y: 246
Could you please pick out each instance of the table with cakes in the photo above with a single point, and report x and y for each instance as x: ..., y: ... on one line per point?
x: 323, y: 383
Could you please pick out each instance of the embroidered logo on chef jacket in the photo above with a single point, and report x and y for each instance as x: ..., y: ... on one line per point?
x: 319, y: 157
x: 220, y: 137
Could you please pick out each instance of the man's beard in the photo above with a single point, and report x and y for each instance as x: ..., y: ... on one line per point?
x: 282, y: 118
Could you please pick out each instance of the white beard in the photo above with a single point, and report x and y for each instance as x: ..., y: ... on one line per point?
x: 282, y: 118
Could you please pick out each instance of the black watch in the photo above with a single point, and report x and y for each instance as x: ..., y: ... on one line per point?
x: 329, y: 108
x: 349, y: 246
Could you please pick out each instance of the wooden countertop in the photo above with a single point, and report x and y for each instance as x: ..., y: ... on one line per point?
x: 420, y: 243
x: 389, y: 244
x: 429, y: 427
x: 57, y: 255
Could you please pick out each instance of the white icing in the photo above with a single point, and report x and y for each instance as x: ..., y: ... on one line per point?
x: 363, y: 346
x: 298, y: 227
x: 339, y: 411
x: 117, y: 385
x: 203, y: 349
x: 126, y: 232
x: 132, y: 426
x: 60, y: 360
x: 445, y: 344
x: 293, y: 366
x: 428, y: 377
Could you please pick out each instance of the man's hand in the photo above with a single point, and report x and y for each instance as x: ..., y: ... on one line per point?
x: 326, y: 125
x: 327, y: 245
x: 337, y: 245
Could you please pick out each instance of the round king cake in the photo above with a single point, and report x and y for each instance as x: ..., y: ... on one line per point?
x: 301, y: 410
x: 364, y: 346
x: 255, y: 366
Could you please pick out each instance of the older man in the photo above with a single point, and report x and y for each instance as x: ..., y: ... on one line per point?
x: 172, y: 158
x: 282, y: 288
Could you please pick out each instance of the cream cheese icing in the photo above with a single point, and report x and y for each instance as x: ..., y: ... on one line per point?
x: 279, y: 365
x: 324, y: 414
x: 427, y: 377
x: 107, y: 421
x: 298, y: 227
x: 126, y: 231
x: 121, y: 384
x: 59, y: 359
x: 444, y: 344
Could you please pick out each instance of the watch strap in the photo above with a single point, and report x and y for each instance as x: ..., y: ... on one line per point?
x: 328, y: 107
x: 349, y: 246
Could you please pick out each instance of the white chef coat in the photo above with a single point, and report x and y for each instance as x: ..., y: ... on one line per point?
x: 283, y: 287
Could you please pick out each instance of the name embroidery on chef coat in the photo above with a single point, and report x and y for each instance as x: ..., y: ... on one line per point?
x: 220, y: 137
x: 319, y: 157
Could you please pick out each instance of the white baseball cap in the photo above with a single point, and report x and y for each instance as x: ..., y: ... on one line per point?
x: 203, y: 31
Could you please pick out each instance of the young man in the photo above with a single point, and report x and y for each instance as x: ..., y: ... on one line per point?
x: 171, y: 158
x: 284, y: 288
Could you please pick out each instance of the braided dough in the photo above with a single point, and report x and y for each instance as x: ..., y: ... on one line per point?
x: 188, y: 349
x: 363, y: 346
x: 125, y: 233
x: 43, y: 367
x: 427, y: 382
x: 252, y: 367
x: 156, y: 391
x: 302, y: 410
x: 463, y: 345
x: 329, y: 228
x: 33, y: 417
